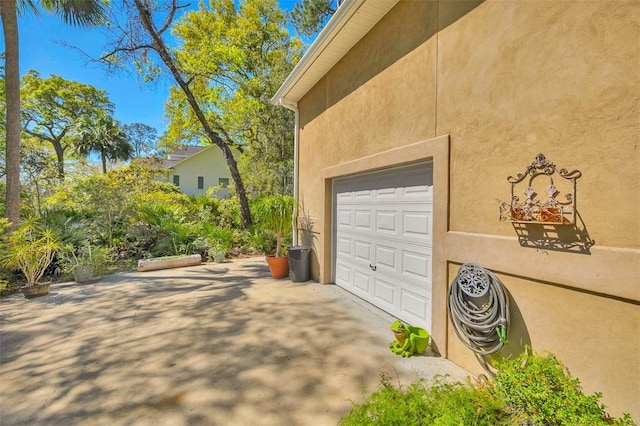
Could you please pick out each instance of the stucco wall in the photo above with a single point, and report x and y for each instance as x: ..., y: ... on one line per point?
x: 209, y: 163
x: 505, y: 81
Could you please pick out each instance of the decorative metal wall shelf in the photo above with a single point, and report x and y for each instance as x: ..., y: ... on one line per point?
x: 535, y: 209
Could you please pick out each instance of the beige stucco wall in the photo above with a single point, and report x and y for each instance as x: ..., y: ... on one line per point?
x: 505, y: 81
x: 208, y: 163
x: 518, y: 78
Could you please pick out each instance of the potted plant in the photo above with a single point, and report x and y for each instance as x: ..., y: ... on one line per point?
x: 275, y: 214
x: 218, y: 251
x: 82, y: 261
x: 305, y: 226
x: 30, y: 248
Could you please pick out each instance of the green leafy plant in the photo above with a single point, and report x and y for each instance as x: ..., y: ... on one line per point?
x: 275, y: 214
x: 441, y: 403
x: 30, y: 248
x: 529, y: 390
x: 213, y: 242
x: 256, y: 240
x: 87, y: 255
x: 540, y: 390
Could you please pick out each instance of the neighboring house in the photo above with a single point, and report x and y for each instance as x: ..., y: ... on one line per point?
x: 411, y: 115
x: 194, y: 169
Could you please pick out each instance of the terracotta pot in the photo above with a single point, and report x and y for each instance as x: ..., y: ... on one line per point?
x: 551, y: 214
x: 279, y: 266
x: 517, y: 214
x: 36, y: 290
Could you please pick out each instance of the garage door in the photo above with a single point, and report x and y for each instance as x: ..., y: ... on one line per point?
x: 383, y: 239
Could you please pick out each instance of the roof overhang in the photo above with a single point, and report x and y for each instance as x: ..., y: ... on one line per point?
x: 352, y: 21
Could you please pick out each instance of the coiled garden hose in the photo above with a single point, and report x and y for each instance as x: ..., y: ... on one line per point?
x: 479, y: 311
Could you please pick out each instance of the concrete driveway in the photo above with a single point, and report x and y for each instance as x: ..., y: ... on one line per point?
x: 215, y: 344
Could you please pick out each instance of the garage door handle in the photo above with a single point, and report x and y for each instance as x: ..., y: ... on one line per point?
x: 373, y: 268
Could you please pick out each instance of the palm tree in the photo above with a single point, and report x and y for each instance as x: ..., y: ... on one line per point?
x: 74, y: 12
x: 105, y: 137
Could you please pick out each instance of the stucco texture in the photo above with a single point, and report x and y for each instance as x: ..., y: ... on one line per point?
x: 504, y: 81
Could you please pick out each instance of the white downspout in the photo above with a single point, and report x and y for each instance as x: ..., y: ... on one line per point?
x: 296, y: 158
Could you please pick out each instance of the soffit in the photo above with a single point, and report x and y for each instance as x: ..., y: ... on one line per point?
x: 352, y: 21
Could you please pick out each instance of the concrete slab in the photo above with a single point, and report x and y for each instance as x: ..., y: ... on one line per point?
x: 215, y: 344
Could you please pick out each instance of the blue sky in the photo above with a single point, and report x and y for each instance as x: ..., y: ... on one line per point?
x: 40, y: 50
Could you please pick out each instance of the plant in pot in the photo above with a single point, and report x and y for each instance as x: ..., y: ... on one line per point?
x: 275, y: 214
x: 218, y: 251
x: 31, y: 248
x: 82, y: 263
x: 305, y: 226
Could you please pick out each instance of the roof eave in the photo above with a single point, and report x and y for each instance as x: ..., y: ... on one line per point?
x: 330, y: 46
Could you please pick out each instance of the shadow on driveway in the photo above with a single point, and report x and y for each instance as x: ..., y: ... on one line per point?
x: 216, y: 344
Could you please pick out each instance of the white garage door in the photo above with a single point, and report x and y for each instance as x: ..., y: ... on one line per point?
x: 383, y: 239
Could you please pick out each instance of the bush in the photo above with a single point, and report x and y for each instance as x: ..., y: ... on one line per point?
x: 529, y: 390
x: 30, y: 248
x: 440, y: 404
x: 539, y: 389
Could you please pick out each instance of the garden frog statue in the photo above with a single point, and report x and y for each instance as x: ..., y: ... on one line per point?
x: 409, y: 340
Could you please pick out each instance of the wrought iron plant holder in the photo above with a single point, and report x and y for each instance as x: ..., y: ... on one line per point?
x: 534, y: 208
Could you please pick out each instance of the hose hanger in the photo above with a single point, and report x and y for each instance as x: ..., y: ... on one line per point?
x: 479, y: 311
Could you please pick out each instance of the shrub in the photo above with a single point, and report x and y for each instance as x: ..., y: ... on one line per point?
x: 441, y: 404
x: 530, y: 390
x: 540, y: 390
x: 30, y: 248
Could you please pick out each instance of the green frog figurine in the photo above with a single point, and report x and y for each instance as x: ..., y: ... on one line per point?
x: 409, y: 339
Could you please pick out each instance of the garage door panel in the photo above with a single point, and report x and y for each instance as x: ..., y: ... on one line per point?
x: 416, y: 224
x: 386, y: 193
x: 362, y: 251
x: 344, y: 246
x: 344, y: 196
x: 363, y: 220
x: 386, y: 221
x: 422, y: 191
x: 344, y: 218
x: 416, y: 266
x: 362, y: 283
x: 386, y: 257
x: 343, y: 275
x: 415, y: 305
x: 384, y: 294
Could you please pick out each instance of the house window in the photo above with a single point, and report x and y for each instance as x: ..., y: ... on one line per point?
x: 176, y: 180
x: 223, y: 182
x: 200, y: 182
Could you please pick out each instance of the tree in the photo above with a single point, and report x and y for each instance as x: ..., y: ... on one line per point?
x: 237, y: 56
x: 105, y: 137
x: 142, y: 138
x: 309, y: 16
x: 3, y: 122
x: 12, y: 104
x: 39, y: 170
x: 75, y: 12
x: 139, y: 36
x: 55, y: 111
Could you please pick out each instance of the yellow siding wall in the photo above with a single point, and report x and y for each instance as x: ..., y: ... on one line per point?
x: 505, y: 81
x: 209, y: 163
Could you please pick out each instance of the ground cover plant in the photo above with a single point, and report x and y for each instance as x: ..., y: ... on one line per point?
x: 539, y: 390
x: 531, y: 389
x: 439, y: 403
